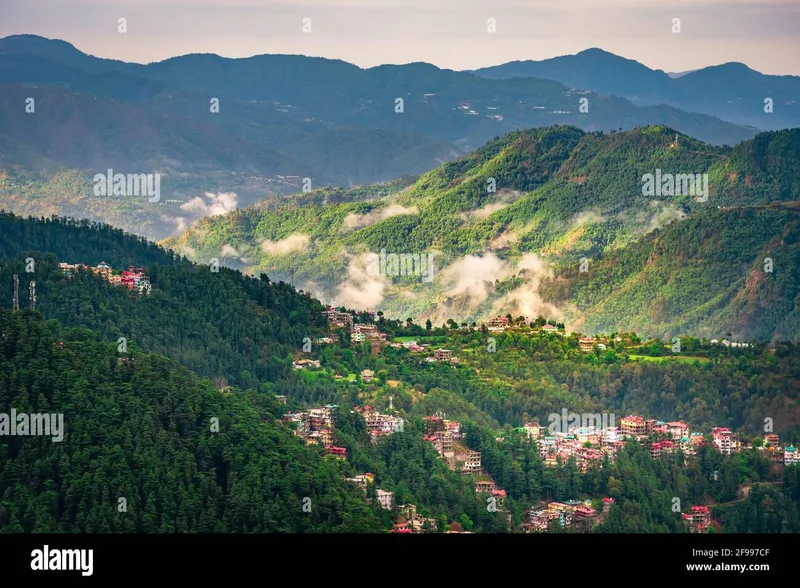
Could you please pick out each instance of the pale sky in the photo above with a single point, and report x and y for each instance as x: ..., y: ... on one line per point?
x: 764, y: 34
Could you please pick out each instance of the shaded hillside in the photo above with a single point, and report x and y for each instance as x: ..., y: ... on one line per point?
x: 250, y: 337
x: 141, y: 431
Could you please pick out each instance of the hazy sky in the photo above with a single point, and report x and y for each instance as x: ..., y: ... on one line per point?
x: 764, y: 34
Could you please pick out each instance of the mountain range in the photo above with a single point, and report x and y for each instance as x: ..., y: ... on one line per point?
x: 277, y: 120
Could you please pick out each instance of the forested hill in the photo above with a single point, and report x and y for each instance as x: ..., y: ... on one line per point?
x: 233, y: 328
x: 140, y: 452
x: 731, y: 270
x: 204, y: 345
x: 551, y: 203
x: 78, y: 241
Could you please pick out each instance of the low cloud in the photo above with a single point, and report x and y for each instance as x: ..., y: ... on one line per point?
x: 290, y: 244
x: 228, y: 251
x: 472, y: 277
x: 358, y: 221
x: 501, y: 201
x: 472, y: 282
x: 212, y: 205
x: 484, y: 212
x: 663, y: 217
x: 525, y: 300
x: 362, y: 289
x: 187, y: 251
x: 588, y: 217
x: 503, y: 240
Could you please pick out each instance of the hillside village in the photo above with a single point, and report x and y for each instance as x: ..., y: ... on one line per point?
x: 134, y: 278
x: 588, y: 446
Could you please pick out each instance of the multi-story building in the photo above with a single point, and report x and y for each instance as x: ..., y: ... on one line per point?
x: 470, y: 462
x: 498, y: 324
x: 385, y: 499
x: 454, y: 427
x: 586, y: 343
x: 791, y: 456
x: 338, y: 319
x: 633, y: 425
x: 484, y: 486
x: 361, y: 480
x: 655, y: 450
x: 444, y: 440
x: 678, y: 429
x: 443, y: 354
x: 698, y: 519
x: 367, y: 376
x: 70, y: 268
x: 103, y: 269
x: 610, y: 435
x: 723, y: 439
x: 500, y: 497
x: 317, y: 419
x: 533, y: 430
x: 339, y: 452
x: 368, y: 331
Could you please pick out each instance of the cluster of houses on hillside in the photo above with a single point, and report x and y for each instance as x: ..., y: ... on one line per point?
x: 556, y: 447
x: 133, y: 278
x: 366, y: 332
x: 315, y: 426
x: 572, y: 513
x: 580, y: 515
x: 379, y: 425
x: 592, y: 444
x: 443, y: 355
x: 442, y: 433
x: 359, y: 332
x: 501, y: 323
x: 407, y: 519
x: 383, y: 497
x: 789, y: 455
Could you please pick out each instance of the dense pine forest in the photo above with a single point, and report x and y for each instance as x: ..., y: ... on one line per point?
x: 180, y: 429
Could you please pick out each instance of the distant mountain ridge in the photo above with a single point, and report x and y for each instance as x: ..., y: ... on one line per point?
x: 729, y: 91
x: 245, y: 129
